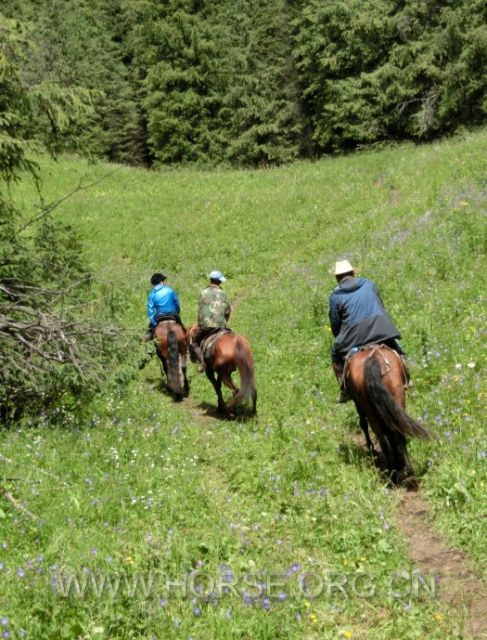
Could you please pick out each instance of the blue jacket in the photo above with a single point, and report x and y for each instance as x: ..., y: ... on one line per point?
x: 161, y: 300
x: 357, y: 315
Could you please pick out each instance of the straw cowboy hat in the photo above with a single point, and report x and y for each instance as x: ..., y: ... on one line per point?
x: 343, y: 266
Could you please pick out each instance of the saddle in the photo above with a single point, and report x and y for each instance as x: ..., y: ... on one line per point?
x: 208, y: 343
x: 167, y: 317
x: 385, y: 363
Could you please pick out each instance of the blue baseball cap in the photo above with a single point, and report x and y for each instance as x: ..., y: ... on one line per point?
x: 217, y: 275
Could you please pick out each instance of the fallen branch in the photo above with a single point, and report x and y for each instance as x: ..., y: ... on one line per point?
x: 16, y: 504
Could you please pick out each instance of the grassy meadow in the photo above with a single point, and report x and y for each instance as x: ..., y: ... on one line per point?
x: 278, y: 527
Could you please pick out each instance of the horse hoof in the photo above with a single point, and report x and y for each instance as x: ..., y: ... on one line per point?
x: 410, y: 483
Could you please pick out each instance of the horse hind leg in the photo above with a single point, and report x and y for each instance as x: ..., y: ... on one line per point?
x: 184, y: 366
x: 217, y: 385
x: 364, y: 425
x: 405, y: 472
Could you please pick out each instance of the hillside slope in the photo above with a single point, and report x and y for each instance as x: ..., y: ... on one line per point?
x: 141, y: 487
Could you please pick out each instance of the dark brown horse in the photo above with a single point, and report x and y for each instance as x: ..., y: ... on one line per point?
x: 376, y: 379
x: 229, y: 353
x: 171, y: 348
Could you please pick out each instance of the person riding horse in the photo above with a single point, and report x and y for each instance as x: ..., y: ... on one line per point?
x: 357, y: 318
x: 214, y: 310
x: 162, y: 304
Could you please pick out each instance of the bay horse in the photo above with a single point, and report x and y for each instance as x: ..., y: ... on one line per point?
x: 230, y: 352
x: 376, y: 379
x: 171, y: 348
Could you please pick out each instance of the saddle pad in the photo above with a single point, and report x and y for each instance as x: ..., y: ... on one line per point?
x: 209, y: 342
x: 384, y: 362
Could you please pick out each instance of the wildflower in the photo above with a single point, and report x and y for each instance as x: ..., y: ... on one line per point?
x: 163, y: 602
x: 20, y: 572
x: 313, y: 618
x: 294, y: 568
x: 347, y: 634
x: 266, y: 604
x: 1, y: 566
x: 197, y: 611
x: 4, y: 622
x: 471, y: 365
x: 129, y: 560
x: 438, y: 617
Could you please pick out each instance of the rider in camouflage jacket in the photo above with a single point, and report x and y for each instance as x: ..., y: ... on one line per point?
x: 213, y: 312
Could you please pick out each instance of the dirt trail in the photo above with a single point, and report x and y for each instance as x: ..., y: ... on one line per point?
x: 459, y: 587
x: 460, y: 591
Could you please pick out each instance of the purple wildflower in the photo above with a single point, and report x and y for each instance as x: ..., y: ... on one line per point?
x: 197, y: 611
x: 20, y: 572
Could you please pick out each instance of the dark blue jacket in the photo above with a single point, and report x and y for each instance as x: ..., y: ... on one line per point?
x: 161, y: 300
x: 357, y: 315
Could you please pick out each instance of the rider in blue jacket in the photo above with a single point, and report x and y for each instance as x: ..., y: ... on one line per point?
x: 162, y: 304
x: 357, y: 318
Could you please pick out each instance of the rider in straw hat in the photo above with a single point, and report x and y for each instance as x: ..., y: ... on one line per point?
x: 357, y: 317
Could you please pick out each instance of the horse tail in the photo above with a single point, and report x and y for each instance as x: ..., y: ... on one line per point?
x: 174, y: 372
x: 245, y: 364
x: 389, y: 412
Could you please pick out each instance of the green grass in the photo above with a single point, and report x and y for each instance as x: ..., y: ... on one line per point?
x: 143, y: 486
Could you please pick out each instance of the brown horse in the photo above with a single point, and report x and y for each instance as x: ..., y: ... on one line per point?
x: 229, y: 353
x: 376, y: 379
x: 171, y: 348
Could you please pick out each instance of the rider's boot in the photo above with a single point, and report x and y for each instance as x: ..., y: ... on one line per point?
x: 344, y: 396
x: 199, y: 355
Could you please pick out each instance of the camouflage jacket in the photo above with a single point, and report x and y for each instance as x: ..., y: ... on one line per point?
x: 214, y: 308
